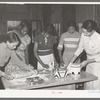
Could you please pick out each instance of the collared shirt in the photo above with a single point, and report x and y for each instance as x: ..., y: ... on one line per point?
x: 69, y: 41
x: 91, y: 45
x: 45, y: 46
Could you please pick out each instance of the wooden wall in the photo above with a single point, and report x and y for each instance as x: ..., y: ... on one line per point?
x: 84, y: 12
x: 18, y: 12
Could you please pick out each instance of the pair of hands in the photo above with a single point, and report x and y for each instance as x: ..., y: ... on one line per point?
x: 83, y: 64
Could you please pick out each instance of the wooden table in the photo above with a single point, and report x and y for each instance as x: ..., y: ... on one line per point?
x: 51, y: 84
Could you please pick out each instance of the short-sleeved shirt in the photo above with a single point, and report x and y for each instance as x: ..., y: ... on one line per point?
x: 45, y: 48
x: 69, y: 41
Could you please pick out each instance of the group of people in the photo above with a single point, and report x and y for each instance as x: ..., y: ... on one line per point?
x: 13, y: 48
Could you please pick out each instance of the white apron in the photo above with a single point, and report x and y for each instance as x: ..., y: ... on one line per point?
x: 46, y: 59
x: 93, y: 68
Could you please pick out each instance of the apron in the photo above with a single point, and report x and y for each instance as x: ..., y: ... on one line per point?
x: 46, y: 59
x: 93, y: 68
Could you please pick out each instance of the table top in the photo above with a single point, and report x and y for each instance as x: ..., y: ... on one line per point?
x: 20, y: 84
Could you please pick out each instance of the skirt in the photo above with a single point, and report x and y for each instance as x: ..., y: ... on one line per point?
x: 93, y: 68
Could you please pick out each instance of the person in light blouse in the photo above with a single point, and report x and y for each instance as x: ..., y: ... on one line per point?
x: 90, y: 42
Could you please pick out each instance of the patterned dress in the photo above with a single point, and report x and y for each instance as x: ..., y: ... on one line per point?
x: 20, y: 53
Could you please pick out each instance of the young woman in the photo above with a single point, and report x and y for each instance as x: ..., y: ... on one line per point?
x: 69, y: 40
x: 22, y: 32
x: 43, y: 48
x: 90, y: 42
x: 7, y: 52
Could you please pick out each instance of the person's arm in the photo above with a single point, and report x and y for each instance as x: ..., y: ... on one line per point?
x: 79, y: 49
x: 60, y: 47
x: 1, y: 73
x: 86, y: 62
x: 9, y: 77
x: 37, y: 56
x: 17, y: 61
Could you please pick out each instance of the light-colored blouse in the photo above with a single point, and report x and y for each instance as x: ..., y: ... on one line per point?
x: 91, y: 45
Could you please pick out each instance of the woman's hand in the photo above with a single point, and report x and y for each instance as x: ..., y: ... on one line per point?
x: 62, y: 63
x: 30, y: 66
x: 56, y: 65
x: 84, y: 63
x: 8, y: 77
x: 46, y: 66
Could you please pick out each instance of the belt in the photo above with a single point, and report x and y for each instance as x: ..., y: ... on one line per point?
x: 93, y: 54
x: 44, y: 50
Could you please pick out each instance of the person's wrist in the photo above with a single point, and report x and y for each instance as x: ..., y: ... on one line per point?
x: 88, y: 61
x: 3, y: 74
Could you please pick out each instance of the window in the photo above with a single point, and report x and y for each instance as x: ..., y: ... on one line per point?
x: 12, y: 24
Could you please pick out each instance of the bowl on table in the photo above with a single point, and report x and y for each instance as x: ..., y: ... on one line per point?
x: 75, y: 71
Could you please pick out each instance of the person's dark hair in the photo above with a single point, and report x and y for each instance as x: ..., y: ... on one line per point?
x: 72, y: 24
x: 89, y: 25
x: 12, y: 37
x: 23, y: 24
x: 48, y: 28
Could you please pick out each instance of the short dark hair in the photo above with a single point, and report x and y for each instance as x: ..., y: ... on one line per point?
x: 72, y: 24
x: 49, y: 28
x: 89, y: 25
x: 12, y: 37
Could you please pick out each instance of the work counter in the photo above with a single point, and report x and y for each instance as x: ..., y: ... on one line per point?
x: 50, y: 82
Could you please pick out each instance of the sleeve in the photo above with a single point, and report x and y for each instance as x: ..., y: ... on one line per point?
x: 16, y: 60
x: 80, y: 47
x: 61, y: 42
x: 97, y: 59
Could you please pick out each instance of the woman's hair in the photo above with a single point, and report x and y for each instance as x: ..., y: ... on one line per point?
x: 49, y: 28
x: 12, y: 37
x: 23, y: 24
x: 72, y: 24
x: 89, y: 25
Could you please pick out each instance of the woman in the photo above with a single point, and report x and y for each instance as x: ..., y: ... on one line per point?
x: 7, y: 52
x: 69, y: 40
x: 90, y: 42
x: 43, y: 48
x: 22, y: 50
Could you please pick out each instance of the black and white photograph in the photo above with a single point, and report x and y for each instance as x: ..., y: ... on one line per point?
x: 50, y: 46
